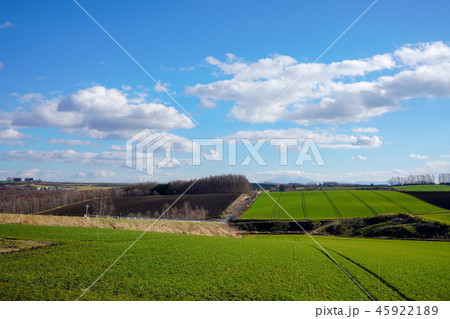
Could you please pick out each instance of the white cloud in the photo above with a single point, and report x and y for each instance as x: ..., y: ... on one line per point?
x: 291, y: 175
x: 446, y: 156
x: 438, y: 167
x: 2, y: 65
x: 161, y: 87
x: 12, y: 137
x: 327, y: 93
x: 177, y: 144
x: 7, y: 24
x: 186, y: 69
x: 30, y: 172
x: 64, y: 156
x: 126, y: 87
x: 103, y: 173
x: 418, y: 156
x: 360, y: 157
x: 120, y: 148
x: 323, y: 138
x: 99, y: 113
x: 365, y: 130
x: 115, y: 156
x: 140, y: 97
x: 71, y: 142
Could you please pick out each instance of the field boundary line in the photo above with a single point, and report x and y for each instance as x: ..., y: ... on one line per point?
x: 396, y: 290
x: 161, y: 87
x: 395, y: 203
x: 137, y: 239
x: 320, y: 246
x: 59, y: 207
x: 336, y: 210
x: 363, y: 202
x: 274, y: 209
x: 305, y: 214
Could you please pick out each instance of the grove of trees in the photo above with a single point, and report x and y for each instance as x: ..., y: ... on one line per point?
x: 207, y: 185
x: 412, y: 180
x: 20, y: 201
x: 444, y: 178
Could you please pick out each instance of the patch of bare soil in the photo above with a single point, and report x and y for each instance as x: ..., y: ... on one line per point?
x: 10, y: 245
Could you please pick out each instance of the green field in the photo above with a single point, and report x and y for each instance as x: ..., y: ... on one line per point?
x: 423, y: 188
x: 336, y: 204
x: 440, y: 217
x: 187, y: 267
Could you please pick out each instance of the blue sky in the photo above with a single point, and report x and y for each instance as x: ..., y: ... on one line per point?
x: 376, y: 104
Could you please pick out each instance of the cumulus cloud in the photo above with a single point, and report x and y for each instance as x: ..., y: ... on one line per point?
x: 418, y: 156
x: 365, y: 130
x: 103, y: 173
x: 161, y: 87
x: 12, y: 137
x: 115, y: 156
x: 327, y: 93
x: 437, y: 167
x: 71, y: 142
x: 323, y: 138
x: 64, y: 156
x: 30, y: 172
x: 98, y: 112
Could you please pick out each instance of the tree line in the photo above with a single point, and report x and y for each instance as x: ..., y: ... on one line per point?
x: 444, y: 178
x: 229, y: 183
x: 26, y: 200
x: 23, y: 201
x: 412, y: 180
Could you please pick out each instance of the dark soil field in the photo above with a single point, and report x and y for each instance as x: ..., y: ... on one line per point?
x: 214, y: 204
x: 441, y: 199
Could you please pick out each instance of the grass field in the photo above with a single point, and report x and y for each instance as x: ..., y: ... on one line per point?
x: 423, y: 188
x: 336, y: 204
x: 187, y: 267
x: 440, y: 217
x: 162, y: 226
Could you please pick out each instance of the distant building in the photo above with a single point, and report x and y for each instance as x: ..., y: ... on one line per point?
x: 29, y: 179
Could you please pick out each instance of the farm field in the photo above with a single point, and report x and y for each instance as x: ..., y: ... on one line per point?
x: 439, y: 217
x: 213, y: 203
x: 441, y: 199
x: 423, y: 188
x: 336, y: 205
x: 187, y: 267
